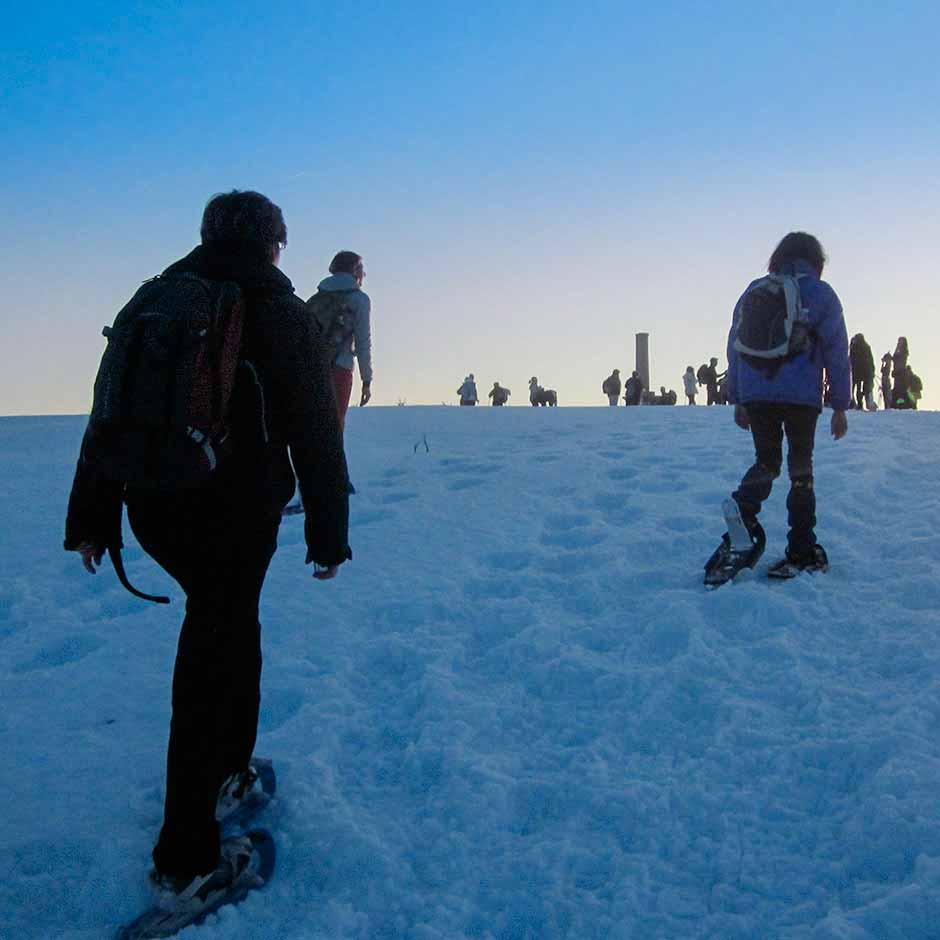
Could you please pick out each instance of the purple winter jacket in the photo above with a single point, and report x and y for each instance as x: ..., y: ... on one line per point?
x: 799, y: 381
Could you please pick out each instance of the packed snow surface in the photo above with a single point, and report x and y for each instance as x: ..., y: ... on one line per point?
x: 517, y: 714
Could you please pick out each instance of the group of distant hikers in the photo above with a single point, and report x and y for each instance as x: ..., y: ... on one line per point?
x: 219, y: 390
x: 636, y: 393
x: 900, y: 387
x: 499, y: 396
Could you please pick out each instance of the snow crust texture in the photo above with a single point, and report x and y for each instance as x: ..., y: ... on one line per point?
x: 517, y: 714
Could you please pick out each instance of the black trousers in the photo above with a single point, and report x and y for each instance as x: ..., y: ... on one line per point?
x: 220, y: 559
x: 769, y: 423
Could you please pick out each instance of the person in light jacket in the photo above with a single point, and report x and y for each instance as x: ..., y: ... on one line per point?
x: 468, y: 391
x: 690, y: 381
x: 347, y: 272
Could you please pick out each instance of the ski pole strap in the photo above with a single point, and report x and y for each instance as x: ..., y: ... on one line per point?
x: 115, y: 555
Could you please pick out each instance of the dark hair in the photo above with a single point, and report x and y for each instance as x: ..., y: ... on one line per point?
x: 797, y: 246
x: 345, y: 262
x: 243, y: 219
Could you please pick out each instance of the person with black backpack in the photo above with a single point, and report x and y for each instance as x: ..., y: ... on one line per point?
x: 214, y: 382
x: 786, y: 332
x: 343, y: 311
x: 499, y: 395
x: 709, y: 376
x: 633, y: 389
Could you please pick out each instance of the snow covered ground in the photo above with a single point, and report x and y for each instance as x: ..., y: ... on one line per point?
x: 517, y: 715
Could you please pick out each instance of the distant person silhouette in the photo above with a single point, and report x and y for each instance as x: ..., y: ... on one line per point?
x: 709, y: 376
x: 348, y: 330
x: 863, y: 372
x: 499, y: 395
x: 611, y: 388
x: 541, y: 397
x: 468, y: 391
x: 690, y: 382
x: 887, y: 362
x: 633, y: 390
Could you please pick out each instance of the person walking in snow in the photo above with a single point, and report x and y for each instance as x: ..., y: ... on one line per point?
x: 774, y: 398
x: 691, y: 384
x: 886, y: 388
x: 468, y: 391
x: 499, y: 395
x: 217, y: 539
x: 901, y: 354
x: 611, y: 388
x: 863, y: 372
x: 633, y: 390
x: 349, y: 331
x: 541, y: 397
x: 709, y: 376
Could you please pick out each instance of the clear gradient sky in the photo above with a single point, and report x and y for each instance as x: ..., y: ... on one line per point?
x: 531, y: 183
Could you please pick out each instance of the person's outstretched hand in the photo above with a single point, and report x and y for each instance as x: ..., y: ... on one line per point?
x: 325, y: 574
x: 839, y: 425
x: 740, y: 417
x: 366, y: 394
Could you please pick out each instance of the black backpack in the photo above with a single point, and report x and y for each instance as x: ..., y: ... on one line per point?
x: 335, y: 319
x: 160, y: 417
x: 772, y: 323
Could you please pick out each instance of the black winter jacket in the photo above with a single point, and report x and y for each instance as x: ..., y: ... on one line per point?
x: 284, y: 402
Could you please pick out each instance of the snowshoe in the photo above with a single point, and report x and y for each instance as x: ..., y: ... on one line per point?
x: 245, y: 864
x: 245, y: 794
x: 741, y: 547
x: 790, y: 566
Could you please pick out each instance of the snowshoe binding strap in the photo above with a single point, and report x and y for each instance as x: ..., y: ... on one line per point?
x: 114, y: 553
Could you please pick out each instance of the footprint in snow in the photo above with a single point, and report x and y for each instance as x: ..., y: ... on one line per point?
x: 369, y: 516
x: 508, y: 561
x: 573, y: 539
x: 278, y: 706
x: 465, y: 484
x: 681, y: 524
x: 398, y: 497
x: 562, y: 521
x: 622, y: 473
x: 502, y: 589
x: 71, y: 650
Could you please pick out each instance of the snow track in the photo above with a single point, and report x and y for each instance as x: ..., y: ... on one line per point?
x: 516, y: 715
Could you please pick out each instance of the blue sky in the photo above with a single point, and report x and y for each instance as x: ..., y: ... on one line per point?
x: 531, y: 183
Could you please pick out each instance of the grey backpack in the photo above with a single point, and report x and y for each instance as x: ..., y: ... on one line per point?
x: 335, y: 319
x: 772, y: 326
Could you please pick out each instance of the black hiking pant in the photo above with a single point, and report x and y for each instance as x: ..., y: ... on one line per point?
x: 220, y: 558
x: 769, y: 423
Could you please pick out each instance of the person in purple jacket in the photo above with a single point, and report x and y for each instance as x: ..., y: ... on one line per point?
x: 787, y: 400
